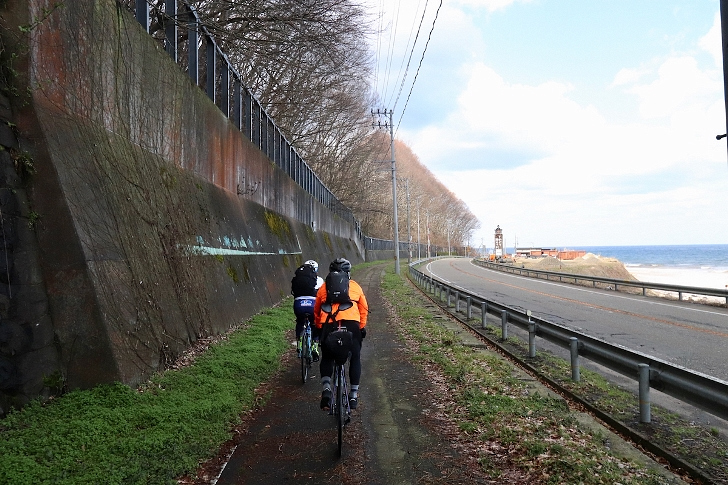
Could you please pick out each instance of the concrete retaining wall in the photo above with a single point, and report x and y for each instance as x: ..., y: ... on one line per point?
x: 141, y: 219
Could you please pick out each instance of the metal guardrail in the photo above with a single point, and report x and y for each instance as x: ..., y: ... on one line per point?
x: 644, y: 285
x: 703, y: 391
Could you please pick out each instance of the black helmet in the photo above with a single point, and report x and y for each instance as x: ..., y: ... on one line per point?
x: 340, y: 264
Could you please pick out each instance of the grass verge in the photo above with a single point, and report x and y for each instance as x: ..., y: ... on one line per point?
x: 114, y: 434
x: 537, y: 434
x: 698, y: 445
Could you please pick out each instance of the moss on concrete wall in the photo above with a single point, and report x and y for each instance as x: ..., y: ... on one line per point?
x: 144, y: 241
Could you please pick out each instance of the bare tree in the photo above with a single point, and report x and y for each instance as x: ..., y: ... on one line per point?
x: 309, y: 64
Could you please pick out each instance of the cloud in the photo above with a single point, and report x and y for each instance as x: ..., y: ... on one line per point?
x: 629, y: 76
x: 712, y: 41
x: 554, y: 170
x: 491, y: 5
x: 679, y: 84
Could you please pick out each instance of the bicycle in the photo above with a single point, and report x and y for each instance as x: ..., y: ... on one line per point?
x: 306, y: 356
x: 339, y: 387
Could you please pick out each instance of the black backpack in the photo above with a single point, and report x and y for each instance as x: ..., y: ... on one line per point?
x: 337, y: 287
x: 304, y: 281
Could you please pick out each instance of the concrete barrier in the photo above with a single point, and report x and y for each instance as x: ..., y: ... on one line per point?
x: 144, y: 219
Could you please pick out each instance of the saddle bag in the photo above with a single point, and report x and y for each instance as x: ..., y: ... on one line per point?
x: 338, y: 345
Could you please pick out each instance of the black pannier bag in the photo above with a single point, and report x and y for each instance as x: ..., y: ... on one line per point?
x: 338, y: 345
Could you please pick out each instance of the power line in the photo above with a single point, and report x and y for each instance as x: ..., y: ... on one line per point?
x: 379, y: 44
x: 390, y: 54
x: 437, y: 13
x: 414, y: 44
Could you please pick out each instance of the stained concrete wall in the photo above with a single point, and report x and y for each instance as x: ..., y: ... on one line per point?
x: 130, y: 239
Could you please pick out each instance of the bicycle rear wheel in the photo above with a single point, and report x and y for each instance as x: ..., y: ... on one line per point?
x: 305, y: 353
x: 340, y: 406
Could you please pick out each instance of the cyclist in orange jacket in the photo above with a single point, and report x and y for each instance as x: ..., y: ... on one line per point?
x: 354, y: 318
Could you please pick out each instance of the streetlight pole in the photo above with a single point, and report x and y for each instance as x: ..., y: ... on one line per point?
x: 724, y: 39
x: 394, y: 182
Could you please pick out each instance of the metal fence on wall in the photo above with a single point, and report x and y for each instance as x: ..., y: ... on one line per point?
x: 177, y: 25
x: 417, y: 251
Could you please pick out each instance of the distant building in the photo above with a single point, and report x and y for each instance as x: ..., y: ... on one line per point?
x: 565, y: 254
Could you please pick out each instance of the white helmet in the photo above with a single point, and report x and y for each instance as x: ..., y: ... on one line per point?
x: 313, y: 264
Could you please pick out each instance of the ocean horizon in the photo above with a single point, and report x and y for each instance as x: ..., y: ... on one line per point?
x: 701, y: 265
x: 712, y: 257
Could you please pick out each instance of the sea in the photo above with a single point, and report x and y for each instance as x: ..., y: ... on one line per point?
x: 712, y: 257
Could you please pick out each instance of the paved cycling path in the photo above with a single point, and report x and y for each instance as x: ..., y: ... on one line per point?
x: 396, y: 436
x: 389, y: 441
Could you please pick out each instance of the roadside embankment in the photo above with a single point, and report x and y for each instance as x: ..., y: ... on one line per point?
x: 588, y: 265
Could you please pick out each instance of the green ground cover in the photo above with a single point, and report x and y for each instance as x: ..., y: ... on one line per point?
x: 539, y: 435
x: 114, y: 434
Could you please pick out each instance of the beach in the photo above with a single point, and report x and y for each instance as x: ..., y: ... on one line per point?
x: 703, y: 278
x: 696, y: 277
x: 608, y: 267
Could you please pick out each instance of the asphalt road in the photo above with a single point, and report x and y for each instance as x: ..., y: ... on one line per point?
x: 690, y: 335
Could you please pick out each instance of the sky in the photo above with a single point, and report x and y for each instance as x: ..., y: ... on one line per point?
x: 567, y: 123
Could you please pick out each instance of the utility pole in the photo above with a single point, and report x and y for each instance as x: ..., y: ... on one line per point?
x: 448, y: 239
x: 378, y: 124
x: 419, y: 256
x: 427, y: 227
x: 409, y: 235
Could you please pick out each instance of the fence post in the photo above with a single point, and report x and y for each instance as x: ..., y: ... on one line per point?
x: 193, y: 53
x: 484, y: 314
x: 644, y: 376
x: 504, y: 325
x: 574, y: 348
x: 170, y: 28
x: 142, y: 14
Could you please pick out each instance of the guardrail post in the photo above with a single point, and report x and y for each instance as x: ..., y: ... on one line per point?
x: 644, y: 377
x: 504, y: 324
x: 447, y: 290
x: 531, y: 336
x: 679, y: 295
x: 574, y: 348
x: 457, y: 302
x: 484, y: 314
x: 468, y: 308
